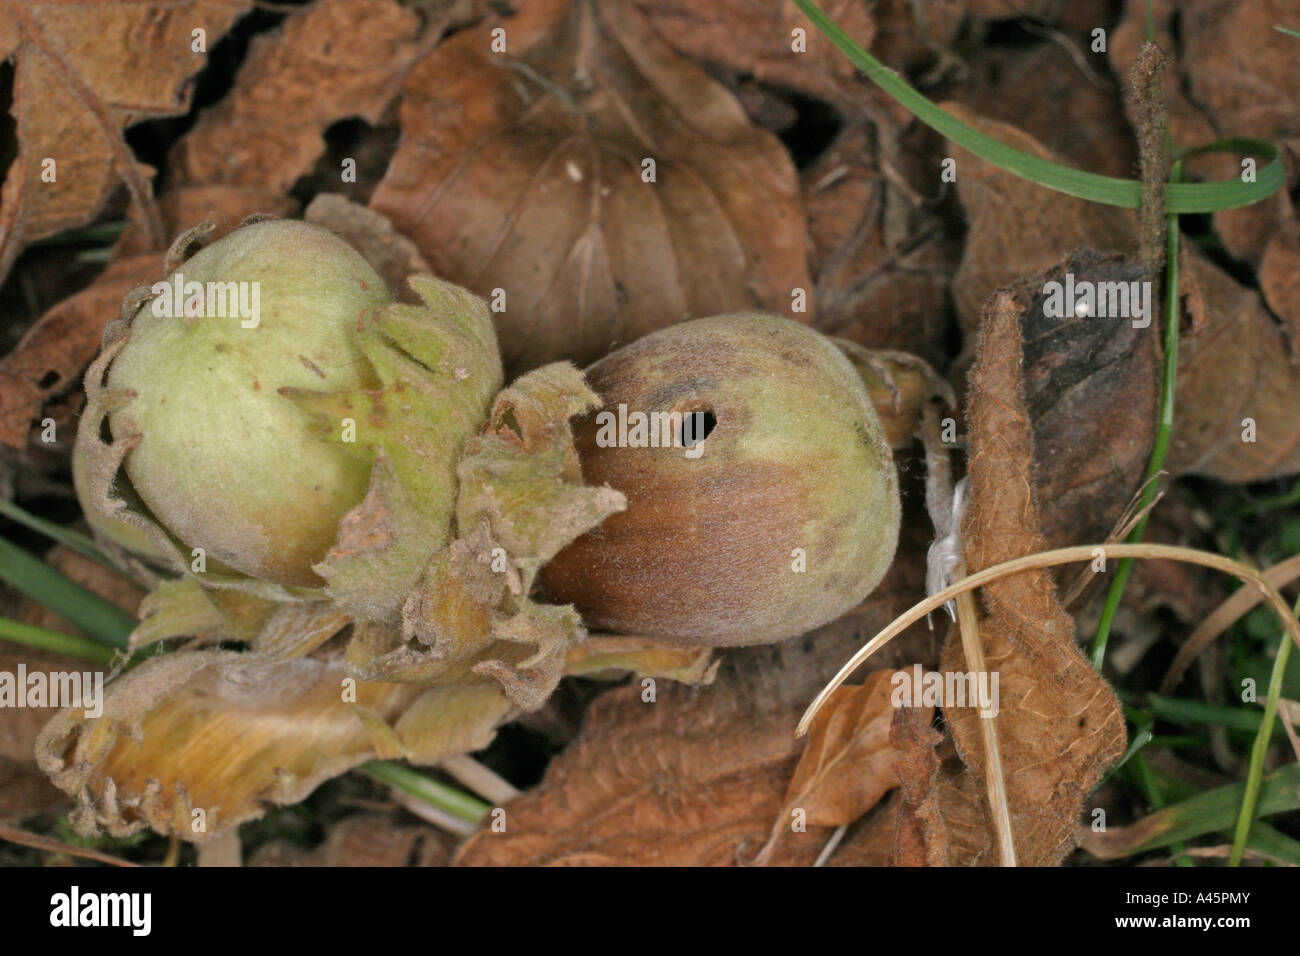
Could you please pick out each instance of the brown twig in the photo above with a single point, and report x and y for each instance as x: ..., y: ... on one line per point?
x: 1153, y: 152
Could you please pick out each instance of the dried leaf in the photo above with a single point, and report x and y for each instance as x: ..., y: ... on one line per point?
x: 1015, y: 229
x: 20, y: 725
x: 685, y: 780
x: 1204, y: 61
x: 1059, y: 725
x: 1242, y: 72
x: 58, y: 347
x: 269, y: 130
x: 72, y: 99
x: 1032, y: 87
x: 1091, y: 389
x: 523, y: 172
x: 882, y: 256
x: 848, y: 763
x: 1279, y: 281
x: 25, y: 791
x: 697, y: 776
x: 1238, y: 387
x: 754, y: 38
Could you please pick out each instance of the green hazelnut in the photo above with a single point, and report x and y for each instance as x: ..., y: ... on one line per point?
x: 224, y: 460
x: 783, y: 517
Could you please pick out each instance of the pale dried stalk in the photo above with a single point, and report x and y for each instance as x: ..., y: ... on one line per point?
x: 487, y: 784
x: 832, y: 844
x: 1049, y: 559
x: 973, y: 647
x: 436, y: 815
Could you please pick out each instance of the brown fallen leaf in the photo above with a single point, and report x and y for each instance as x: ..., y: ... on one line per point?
x: 1279, y: 281
x: 881, y: 255
x: 1188, y: 124
x: 1234, y: 363
x: 755, y: 38
x: 60, y: 345
x: 1242, y: 72
x: 269, y: 130
x: 1200, y: 112
x: 20, y: 725
x: 25, y: 791
x: 688, y: 779
x: 1032, y: 87
x: 848, y: 762
x: 1238, y: 387
x: 1091, y: 391
x: 523, y: 172
x: 1058, y: 724
x: 72, y: 99
x: 1016, y: 229
x: 919, y: 833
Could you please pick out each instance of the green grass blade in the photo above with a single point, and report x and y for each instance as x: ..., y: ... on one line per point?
x: 1217, y: 810
x: 456, y: 802
x: 1179, y: 197
x: 1250, y: 795
x: 30, y: 635
x: 1199, y: 713
x: 73, y: 540
x: 1140, y: 740
x: 96, y: 618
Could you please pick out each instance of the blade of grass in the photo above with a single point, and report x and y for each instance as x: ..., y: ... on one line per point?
x: 456, y: 802
x: 98, y: 619
x: 1156, y: 801
x: 1208, y: 812
x: 1250, y: 796
x: 1179, y: 197
x: 30, y: 635
x: 1198, y: 713
x: 56, y: 532
x: 1140, y: 740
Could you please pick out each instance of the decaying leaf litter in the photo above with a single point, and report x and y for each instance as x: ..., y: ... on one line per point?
x: 778, y: 170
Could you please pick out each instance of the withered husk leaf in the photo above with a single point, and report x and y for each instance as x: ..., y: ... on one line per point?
x: 232, y: 734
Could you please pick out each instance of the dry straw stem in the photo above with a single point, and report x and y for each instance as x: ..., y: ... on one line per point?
x: 1049, y: 559
x: 1222, y: 618
x: 999, y: 807
x: 46, y: 844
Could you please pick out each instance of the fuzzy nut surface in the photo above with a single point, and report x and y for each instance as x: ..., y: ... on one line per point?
x: 788, y: 517
x: 225, y: 461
